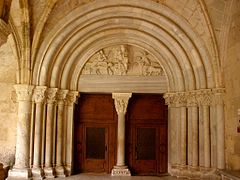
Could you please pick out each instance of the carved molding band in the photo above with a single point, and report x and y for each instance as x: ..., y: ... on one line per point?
x: 204, y: 97
x: 123, y: 60
x: 121, y: 101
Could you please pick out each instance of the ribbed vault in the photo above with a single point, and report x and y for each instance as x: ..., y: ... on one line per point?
x: 148, y: 25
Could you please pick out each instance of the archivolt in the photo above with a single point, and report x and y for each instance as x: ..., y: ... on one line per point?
x: 148, y: 25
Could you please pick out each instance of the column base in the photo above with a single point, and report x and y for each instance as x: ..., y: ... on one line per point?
x: 120, y: 171
x: 69, y: 170
x: 60, y: 171
x: 37, y: 173
x: 49, y: 172
x: 19, y: 173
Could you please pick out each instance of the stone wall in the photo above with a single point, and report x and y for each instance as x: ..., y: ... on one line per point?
x: 8, y: 114
x: 232, y: 83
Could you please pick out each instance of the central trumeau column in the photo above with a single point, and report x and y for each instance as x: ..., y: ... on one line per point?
x: 121, y: 103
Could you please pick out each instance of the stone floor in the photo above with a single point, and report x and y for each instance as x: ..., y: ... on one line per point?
x: 108, y: 177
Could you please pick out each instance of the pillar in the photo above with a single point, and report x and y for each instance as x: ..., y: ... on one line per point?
x: 60, y: 169
x: 219, y: 115
x: 21, y: 168
x: 50, y: 118
x: 39, y: 97
x: 121, y: 103
x: 70, y: 100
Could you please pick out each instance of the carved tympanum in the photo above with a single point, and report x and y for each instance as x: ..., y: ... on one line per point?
x: 123, y: 60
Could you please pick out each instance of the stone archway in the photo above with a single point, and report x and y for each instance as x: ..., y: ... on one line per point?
x: 194, y: 95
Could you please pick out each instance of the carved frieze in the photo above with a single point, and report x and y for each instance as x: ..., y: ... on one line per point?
x: 123, y: 60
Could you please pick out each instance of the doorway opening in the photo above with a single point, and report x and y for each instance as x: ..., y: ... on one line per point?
x: 95, y: 134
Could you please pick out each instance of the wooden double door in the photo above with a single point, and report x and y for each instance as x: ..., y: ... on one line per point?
x: 96, y: 134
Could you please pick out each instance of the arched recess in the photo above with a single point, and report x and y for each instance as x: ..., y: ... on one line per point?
x: 192, y: 79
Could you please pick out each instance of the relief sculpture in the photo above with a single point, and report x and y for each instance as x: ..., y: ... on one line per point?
x: 123, y: 60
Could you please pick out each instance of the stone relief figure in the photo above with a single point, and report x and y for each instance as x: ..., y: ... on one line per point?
x: 123, y: 60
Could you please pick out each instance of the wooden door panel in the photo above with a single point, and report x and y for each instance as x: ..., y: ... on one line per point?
x: 146, y: 128
x: 95, y: 134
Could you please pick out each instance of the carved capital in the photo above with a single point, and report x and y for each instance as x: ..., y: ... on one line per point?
x: 178, y: 99
x: 51, y: 95
x: 39, y: 94
x: 204, y: 97
x: 169, y: 99
x: 218, y: 96
x: 71, y: 97
x: 61, y: 96
x: 24, y: 92
x: 192, y: 98
x: 121, y: 101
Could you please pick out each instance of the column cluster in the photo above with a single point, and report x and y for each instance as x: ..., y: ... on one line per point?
x: 196, y: 131
x: 45, y: 148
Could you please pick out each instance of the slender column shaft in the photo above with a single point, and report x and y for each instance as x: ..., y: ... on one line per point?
x: 121, y: 140
x: 49, y: 135
x: 195, y: 140
x: 59, y: 155
x: 220, y: 137
x: 190, y: 137
x: 183, y: 136
x: 206, y: 125
x: 38, y: 135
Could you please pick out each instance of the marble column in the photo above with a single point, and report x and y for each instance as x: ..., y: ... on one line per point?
x: 70, y: 101
x: 219, y: 115
x: 121, y: 103
x: 50, y: 118
x: 39, y: 97
x: 21, y: 168
x: 60, y: 169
